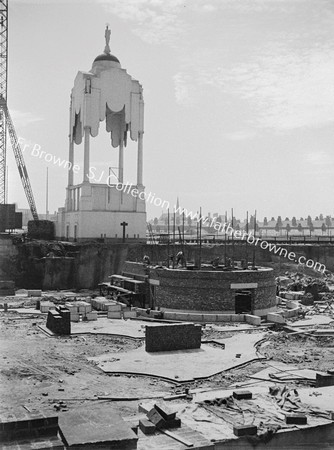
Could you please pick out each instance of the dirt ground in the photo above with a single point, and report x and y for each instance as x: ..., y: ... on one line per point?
x: 39, y: 372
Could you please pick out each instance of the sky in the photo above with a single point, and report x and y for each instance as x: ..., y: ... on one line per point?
x: 239, y: 99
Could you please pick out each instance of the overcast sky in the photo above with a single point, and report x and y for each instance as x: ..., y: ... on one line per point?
x: 239, y: 98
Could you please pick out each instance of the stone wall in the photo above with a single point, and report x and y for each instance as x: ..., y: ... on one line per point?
x: 94, y: 262
x: 8, y: 254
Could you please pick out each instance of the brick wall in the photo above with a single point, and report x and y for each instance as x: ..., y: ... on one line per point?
x: 208, y: 290
x: 164, y: 338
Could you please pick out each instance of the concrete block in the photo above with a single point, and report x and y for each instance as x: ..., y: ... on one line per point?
x: 92, y: 428
x: 238, y: 317
x: 114, y: 314
x: 72, y: 308
x: 46, y: 306
x: 75, y: 317
x: 324, y: 380
x: 244, y: 430
x: 166, y: 412
x: 275, y: 318
x: 242, y: 395
x: 156, y: 418
x: 34, y: 293
x: 146, y: 426
x: 129, y: 314
x: 292, y: 304
x: 114, y: 307
x: 168, y: 315
x: 145, y: 407
x: 59, y: 320
x: 209, y: 318
x: 224, y: 318
x: 298, y: 419
x: 253, y: 320
x: 91, y: 315
x: 172, y: 423
x: 27, y: 426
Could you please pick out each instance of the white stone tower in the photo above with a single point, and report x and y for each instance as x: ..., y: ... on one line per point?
x: 93, y: 210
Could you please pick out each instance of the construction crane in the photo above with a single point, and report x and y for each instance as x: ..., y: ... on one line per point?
x: 6, y: 121
x: 3, y: 94
x: 19, y: 158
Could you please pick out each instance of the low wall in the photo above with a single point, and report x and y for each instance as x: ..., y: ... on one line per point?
x: 166, y: 338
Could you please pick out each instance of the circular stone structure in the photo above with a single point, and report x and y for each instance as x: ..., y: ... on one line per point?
x: 251, y: 291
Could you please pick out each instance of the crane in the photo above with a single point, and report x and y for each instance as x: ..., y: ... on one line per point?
x: 19, y: 158
x: 6, y: 122
x: 3, y: 94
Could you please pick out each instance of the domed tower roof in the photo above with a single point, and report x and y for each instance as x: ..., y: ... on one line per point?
x: 106, y: 57
x: 106, y: 60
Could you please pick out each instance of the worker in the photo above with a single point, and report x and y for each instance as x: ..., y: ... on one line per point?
x: 146, y: 260
x: 180, y: 258
x: 215, y: 262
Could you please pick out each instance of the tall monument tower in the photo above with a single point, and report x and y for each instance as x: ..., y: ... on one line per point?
x: 93, y: 210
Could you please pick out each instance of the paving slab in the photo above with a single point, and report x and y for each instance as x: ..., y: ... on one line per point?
x: 231, y: 328
x: 316, y: 319
x: 93, y: 426
x: 322, y: 398
x: 119, y: 327
x: 183, y: 365
x: 284, y: 372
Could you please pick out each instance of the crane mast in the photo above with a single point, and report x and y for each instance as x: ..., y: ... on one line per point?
x: 6, y: 122
x: 3, y: 94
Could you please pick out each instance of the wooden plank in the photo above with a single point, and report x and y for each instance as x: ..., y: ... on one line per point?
x: 177, y: 438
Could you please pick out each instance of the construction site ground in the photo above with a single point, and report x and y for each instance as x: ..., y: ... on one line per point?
x: 39, y: 371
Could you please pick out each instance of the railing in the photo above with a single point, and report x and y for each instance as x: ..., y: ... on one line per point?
x: 290, y: 240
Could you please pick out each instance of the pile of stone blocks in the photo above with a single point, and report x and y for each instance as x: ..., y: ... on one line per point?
x: 159, y: 417
x: 171, y: 337
x: 58, y: 321
x: 46, y: 306
x: 101, y: 303
x: 118, y: 310
x: 22, y: 430
x: 81, y: 309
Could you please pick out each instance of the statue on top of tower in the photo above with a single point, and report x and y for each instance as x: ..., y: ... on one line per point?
x: 107, y: 34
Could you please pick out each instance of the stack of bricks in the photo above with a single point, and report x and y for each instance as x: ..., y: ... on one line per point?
x: 58, y: 321
x: 101, y: 303
x: 26, y: 431
x: 81, y: 309
x: 119, y: 310
x: 159, y: 417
